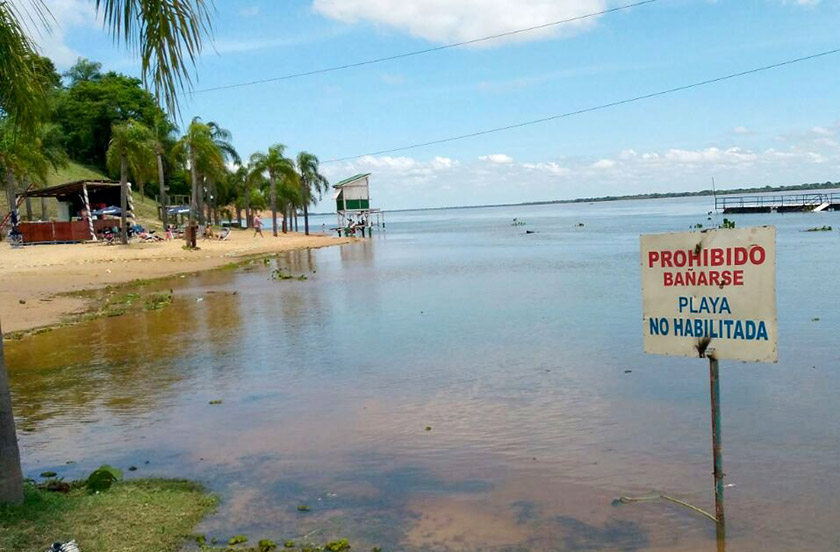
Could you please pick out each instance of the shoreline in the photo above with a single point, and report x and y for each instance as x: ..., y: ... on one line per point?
x: 41, y: 284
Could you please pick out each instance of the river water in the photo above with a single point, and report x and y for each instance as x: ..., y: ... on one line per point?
x: 454, y: 383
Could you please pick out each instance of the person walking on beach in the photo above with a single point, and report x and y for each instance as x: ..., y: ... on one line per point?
x: 258, y: 224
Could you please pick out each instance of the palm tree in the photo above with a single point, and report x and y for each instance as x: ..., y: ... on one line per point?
x: 222, y: 139
x: 311, y: 182
x: 279, y: 168
x: 201, y: 152
x: 27, y: 155
x: 163, y: 142
x: 84, y: 70
x: 21, y: 154
x: 169, y: 36
x: 255, y: 186
x: 11, y: 475
x: 131, y: 149
x: 238, y: 188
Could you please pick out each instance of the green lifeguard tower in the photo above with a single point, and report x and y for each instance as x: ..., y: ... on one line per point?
x: 352, y: 203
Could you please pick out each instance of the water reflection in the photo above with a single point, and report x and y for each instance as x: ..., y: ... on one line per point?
x: 513, y: 349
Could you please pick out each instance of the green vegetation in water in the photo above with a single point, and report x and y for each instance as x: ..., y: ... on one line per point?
x: 278, y: 274
x: 728, y: 224
x: 338, y: 546
x: 48, y: 474
x: 103, y: 478
x: 216, y: 401
x: 157, y: 301
x: 820, y: 229
x: 303, y: 508
x: 144, y: 515
x: 266, y: 545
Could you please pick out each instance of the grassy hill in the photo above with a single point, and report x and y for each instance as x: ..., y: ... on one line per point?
x: 146, y: 209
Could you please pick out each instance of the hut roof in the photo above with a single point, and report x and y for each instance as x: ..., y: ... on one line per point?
x: 71, y: 187
x: 350, y: 180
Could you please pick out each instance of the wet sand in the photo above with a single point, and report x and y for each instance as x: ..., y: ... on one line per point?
x: 33, y: 278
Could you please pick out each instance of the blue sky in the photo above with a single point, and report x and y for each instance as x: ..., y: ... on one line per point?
x: 778, y: 127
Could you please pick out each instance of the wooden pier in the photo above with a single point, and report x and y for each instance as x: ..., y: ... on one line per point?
x: 808, y: 202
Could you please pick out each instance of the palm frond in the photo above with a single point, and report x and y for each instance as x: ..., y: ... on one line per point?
x: 168, y: 35
x: 22, y: 92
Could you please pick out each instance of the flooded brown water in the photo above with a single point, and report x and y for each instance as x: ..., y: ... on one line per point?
x: 511, y: 348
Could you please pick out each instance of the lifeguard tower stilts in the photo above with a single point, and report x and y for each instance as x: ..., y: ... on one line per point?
x: 352, y: 202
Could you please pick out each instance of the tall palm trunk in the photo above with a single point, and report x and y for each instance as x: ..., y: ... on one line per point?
x: 201, y: 191
x: 164, y: 203
x: 28, y: 201
x: 10, y: 190
x: 273, y: 181
x: 248, y: 215
x: 194, y: 196
x: 305, y: 219
x: 43, y: 208
x: 11, y: 198
x: 208, y: 200
x: 214, y: 203
x: 123, y: 198
x: 11, y: 475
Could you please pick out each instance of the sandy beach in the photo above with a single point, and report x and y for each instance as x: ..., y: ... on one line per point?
x: 32, y: 278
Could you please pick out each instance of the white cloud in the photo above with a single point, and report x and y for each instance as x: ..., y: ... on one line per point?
x: 710, y: 155
x: 498, y: 158
x: 822, y: 131
x: 387, y: 162
x: 603, y: 164
x: 741, y: 130
x: 444, y: 163
x: 457, y: 20
x: 67, y: 14
x: 409, y: 182
x: 552, y: 168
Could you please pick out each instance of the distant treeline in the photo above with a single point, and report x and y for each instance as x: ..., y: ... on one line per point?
x: 731, y: 191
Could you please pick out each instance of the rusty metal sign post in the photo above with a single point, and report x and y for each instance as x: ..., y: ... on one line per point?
x: 717, y: 450
x: 711, y: 294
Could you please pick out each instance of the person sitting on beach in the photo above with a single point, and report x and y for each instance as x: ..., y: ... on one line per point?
x: 258, y: 224
x: 208, y: 231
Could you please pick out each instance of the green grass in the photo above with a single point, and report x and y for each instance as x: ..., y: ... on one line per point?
x: 75, y: 171
x: 144, y: 515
